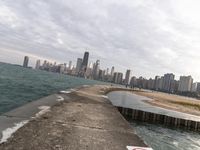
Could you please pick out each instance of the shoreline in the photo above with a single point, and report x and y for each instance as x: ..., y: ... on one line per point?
x: 91, y: 98
x: 172, y: 102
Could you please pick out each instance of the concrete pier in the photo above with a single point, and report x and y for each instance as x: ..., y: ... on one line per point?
x: 133, y: 107
x: 85, y: 120
x: 139, y: 115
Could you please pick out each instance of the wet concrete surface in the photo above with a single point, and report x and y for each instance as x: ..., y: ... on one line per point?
x: 84, y: 120
x: 128, y: 99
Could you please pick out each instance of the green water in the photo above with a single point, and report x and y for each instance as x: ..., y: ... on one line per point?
x: 19, y: 85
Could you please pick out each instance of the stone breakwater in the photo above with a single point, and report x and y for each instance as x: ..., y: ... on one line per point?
x: 169, y: 121
x: 83, y: 119
x: 139, y: 108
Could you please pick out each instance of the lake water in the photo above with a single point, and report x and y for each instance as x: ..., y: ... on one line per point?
x: 19, y: 85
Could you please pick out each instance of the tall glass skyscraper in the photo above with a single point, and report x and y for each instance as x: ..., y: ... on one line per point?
x: 84, y: 64
x: 26, y: 59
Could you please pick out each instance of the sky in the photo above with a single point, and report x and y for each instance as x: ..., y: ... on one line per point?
x: 149, y: 37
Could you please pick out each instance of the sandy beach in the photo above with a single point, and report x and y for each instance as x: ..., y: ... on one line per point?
x: 171, y: 101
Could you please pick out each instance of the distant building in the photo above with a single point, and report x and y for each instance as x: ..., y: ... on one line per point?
x: 174, y: 86
x: 26, y: 59
x: 37, y: 66
x: 96, y: 69
x: 78, y: 65
x: 107, y: 71
x: 118, y: 77
x: 198, y: 87
x: 156, y: 83
x: 194, y: 87
x: 160, y: 83
x: 84, y: 64
x: 167, y: 81
x: 127, y: 77
x: 185, y: 84
x: 112, y: 71
x: 70, y: 65
x: 133, y: 82
x: 150, y: 84
x: 101, y: 74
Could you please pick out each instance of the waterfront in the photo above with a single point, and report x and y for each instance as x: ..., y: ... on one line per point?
x: 85, y: 119
x: 19, y: 85
x: 156, y: 136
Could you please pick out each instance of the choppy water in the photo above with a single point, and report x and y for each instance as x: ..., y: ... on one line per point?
x: 160, y: 138
x: 19, y: 85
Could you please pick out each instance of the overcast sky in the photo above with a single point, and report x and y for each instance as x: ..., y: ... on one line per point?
x: 151, y: 37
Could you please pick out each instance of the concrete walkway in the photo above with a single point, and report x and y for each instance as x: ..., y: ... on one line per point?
x: 85, y: 121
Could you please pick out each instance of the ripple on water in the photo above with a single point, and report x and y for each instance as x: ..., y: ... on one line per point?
x: 161, y: 138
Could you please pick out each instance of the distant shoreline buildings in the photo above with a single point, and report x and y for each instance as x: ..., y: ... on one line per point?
x: 165, y: 83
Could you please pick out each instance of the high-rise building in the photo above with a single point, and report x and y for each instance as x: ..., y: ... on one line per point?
x: 37, y: 66
x: 84, y: 64
x: 118, y: 77
x: 156, y: 83
x: 107, y: 71
x: 174, y: 86
x: 112, y: 71
x: 198, y: 87
x: 185, y: 84
x: 85, y: 59
x: 26, y: 59
x: 96, y: 70
x: 78, y: 65
x: 160, y: 83
x: 168, y: 79
x: 194, y: 87
x: 70, y: 65
x: 150, y: 84
x: 133, y: 82
x: 127, y: 77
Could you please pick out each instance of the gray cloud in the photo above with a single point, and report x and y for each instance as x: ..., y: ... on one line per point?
x: 150, y: 38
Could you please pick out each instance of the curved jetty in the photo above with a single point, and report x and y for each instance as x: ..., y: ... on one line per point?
x: 84, y: 119
x: 134, y: 107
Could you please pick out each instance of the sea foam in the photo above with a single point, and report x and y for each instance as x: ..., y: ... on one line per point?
x: 60, y: 98
x: 7, y: 133
x: 43, y: 110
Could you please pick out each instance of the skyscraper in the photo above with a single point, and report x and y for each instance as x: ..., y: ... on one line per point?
x: 85, y: 59
x: 185, y: 84
x: 127, y: 77
x: 112, y: 71
x: 168, y: 79
x: 70, y: 65
x: 96, y: 70
x: 26, y: 59
x: 117, y: 77
x: 78, y: 65
x: 84, y: 64
x: 37, y: 66
x: 156, y: 82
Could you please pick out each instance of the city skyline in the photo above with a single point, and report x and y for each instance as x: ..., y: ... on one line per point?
x: 150, y: 38
x: 112, y: 69
x: 83, y: 68
x: 165, y: 83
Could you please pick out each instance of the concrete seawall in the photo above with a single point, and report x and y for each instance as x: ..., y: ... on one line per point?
x: 85, y: 119
x: 139, y: 115
x: 134, y: 107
